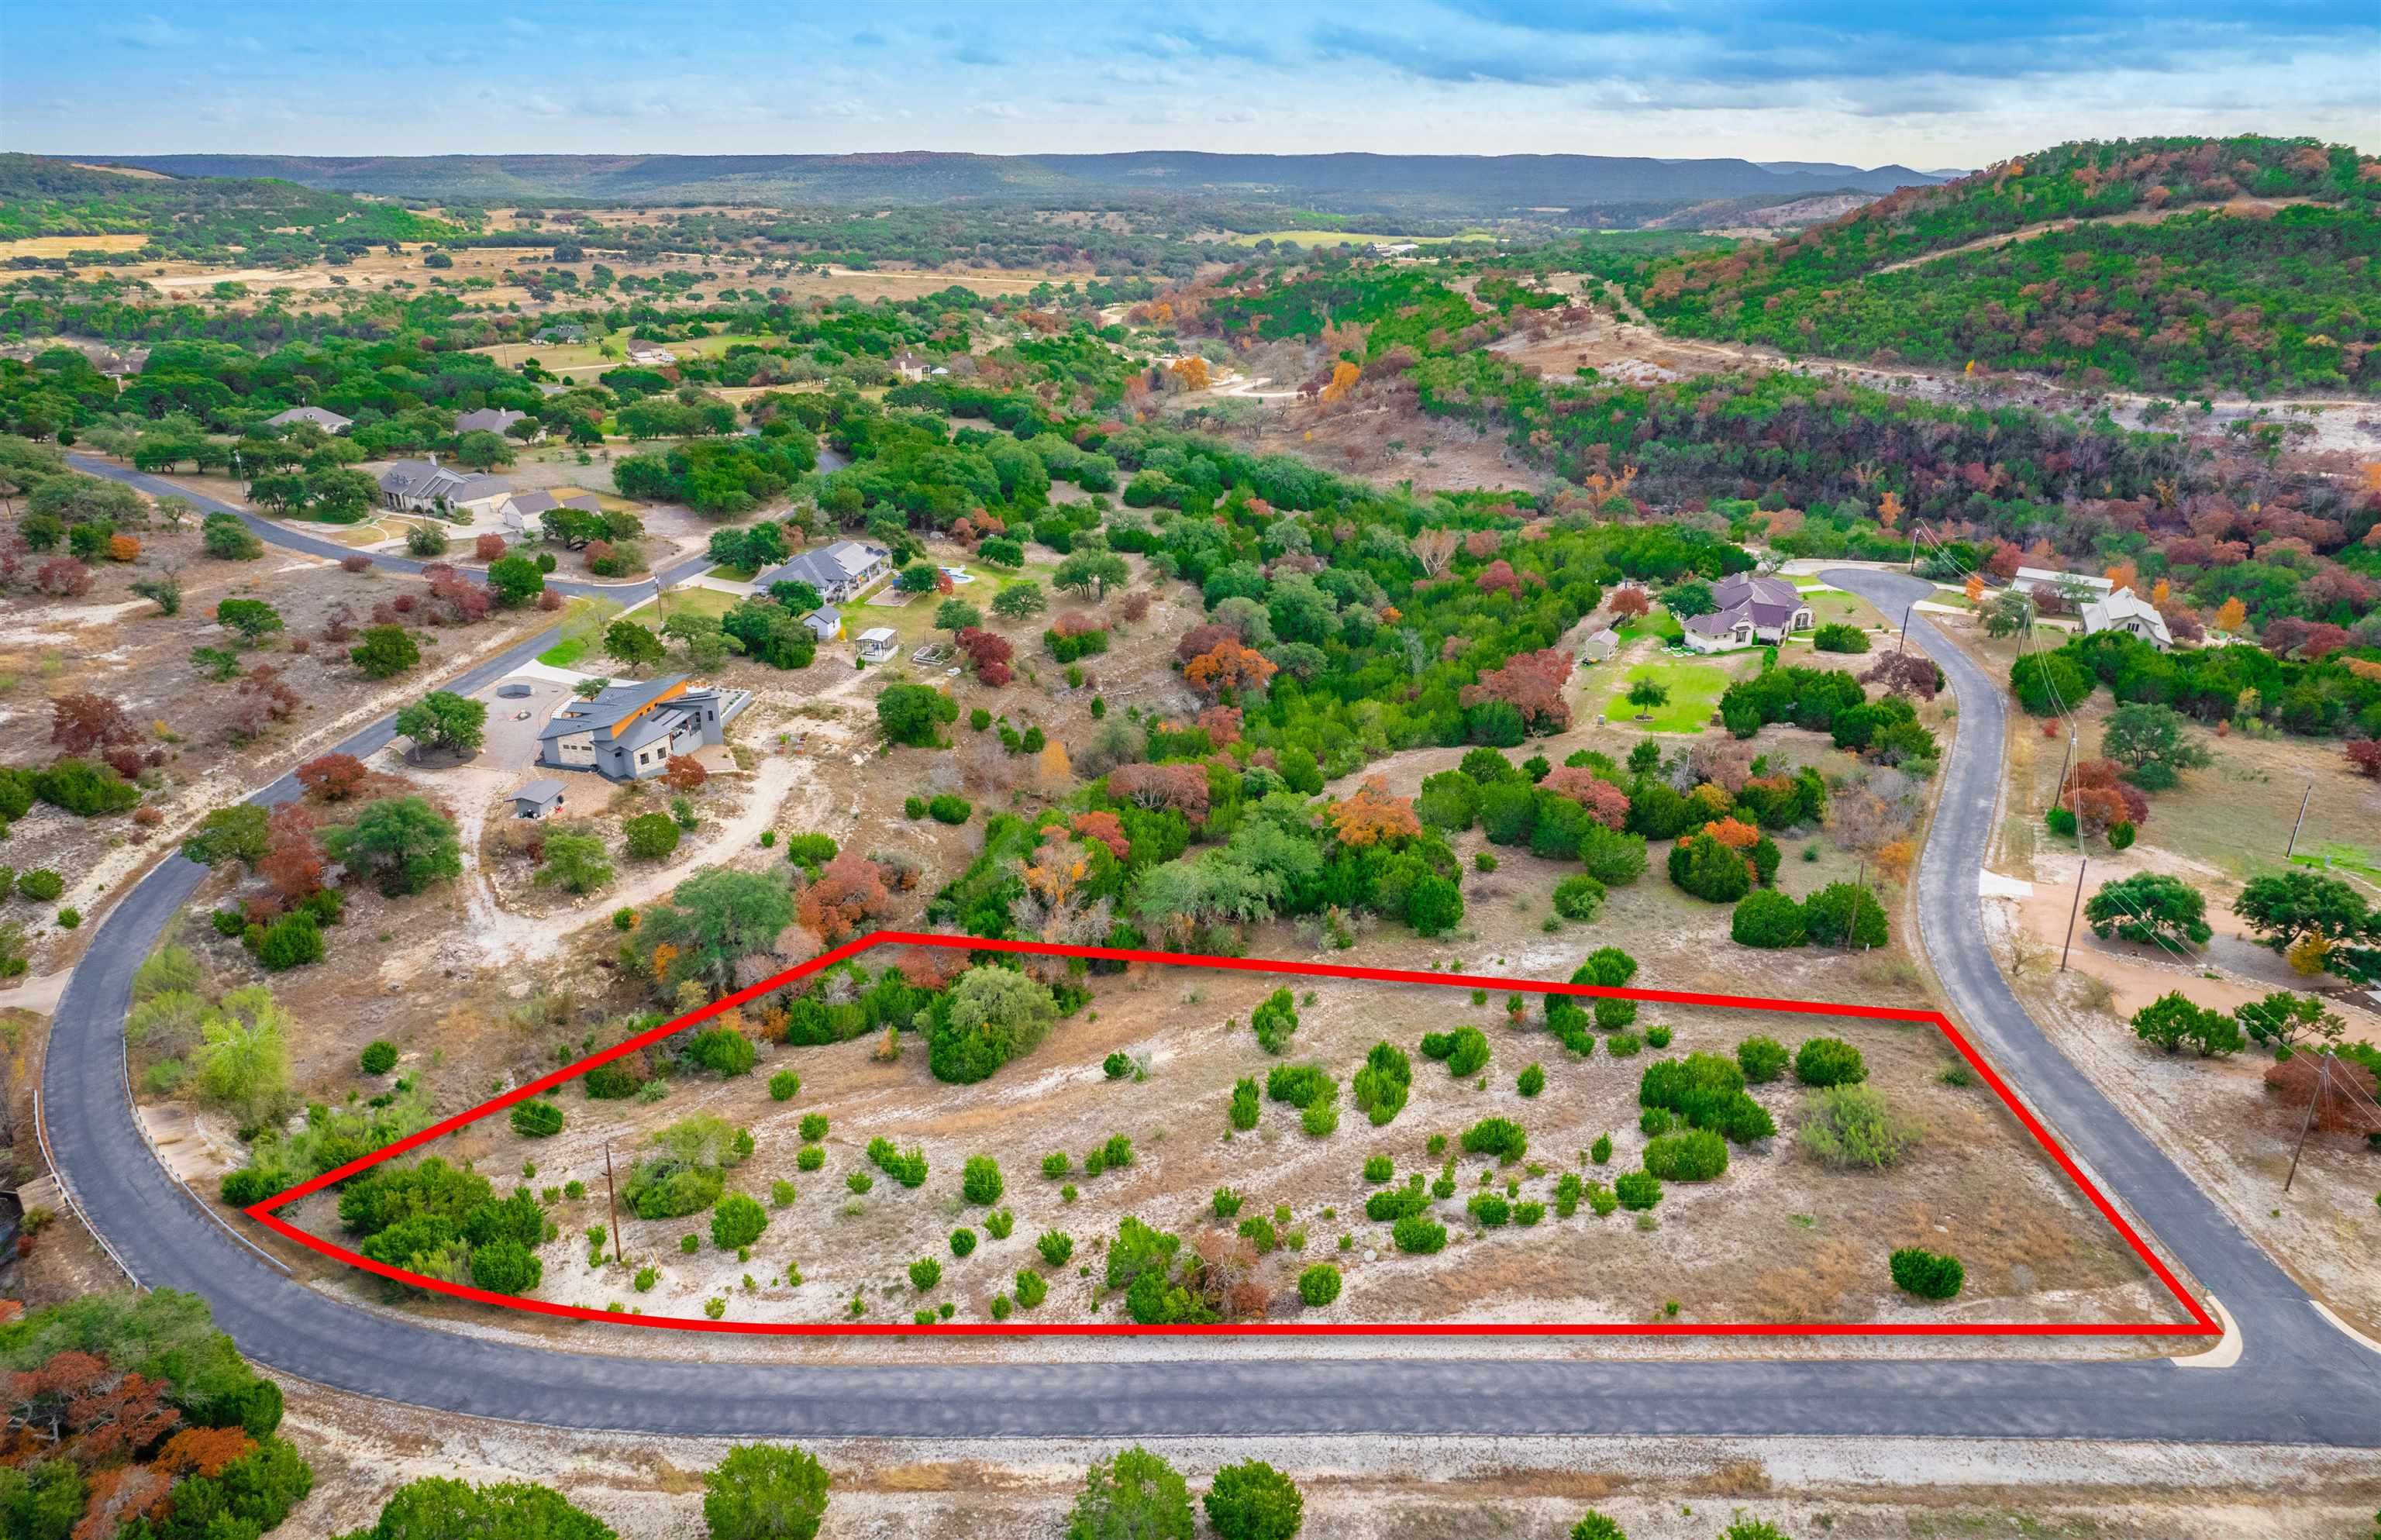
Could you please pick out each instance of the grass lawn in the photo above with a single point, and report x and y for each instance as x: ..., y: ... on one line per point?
x: 565, y: 654
x: 1659, y: 622
x: 734, y: 574
x: 683, y: 601
x: 1694, y: 692
x: 582, y: 631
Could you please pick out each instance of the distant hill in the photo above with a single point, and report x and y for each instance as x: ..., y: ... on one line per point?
x: 2109, y: 262
x: 1348, y: 183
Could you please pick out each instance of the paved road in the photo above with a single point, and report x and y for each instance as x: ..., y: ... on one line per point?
x: 2297, y: 1380
x: 273, y: 533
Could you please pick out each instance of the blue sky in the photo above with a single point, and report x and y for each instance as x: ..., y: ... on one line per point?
x: 1861, y: 81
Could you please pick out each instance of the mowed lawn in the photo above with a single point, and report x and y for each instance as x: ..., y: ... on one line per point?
x: 1695, y: 689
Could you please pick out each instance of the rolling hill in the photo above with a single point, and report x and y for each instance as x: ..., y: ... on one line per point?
x: 1346, y: 183
x: 2171, y: 264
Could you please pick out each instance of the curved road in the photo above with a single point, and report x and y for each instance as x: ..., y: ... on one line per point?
x: 2297, y: 1379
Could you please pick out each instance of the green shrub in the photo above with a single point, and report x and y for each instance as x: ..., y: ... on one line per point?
x: 1762, y: 1059
x: 1056, y: 1247
x: 1853, y: 1125
x: 1379, y: 1168
x: 737, y: 1222
x: 651, y: 835
x: 536, y: 1119
x: 962, y: 1241
x: 1032, y: 1289
x: 1244, y: 1106
x: 1259, y: 1232
x: 1568, y: 1192
x: 1654, y: 1121
x: 1419, y: 1235
x: 1709, y: 870
x: 1000, y: 1221
x: 1767, y: 919
x: 1489, y: 1210
x: 913, y: 807
x: 980, y: 1180
x: 1319, y: 1285
x: 809, y: 1157
x: 813, y: 1127
x: 1595, y: 1526
x: 1117, y: 1066
x: 1464, y: 1050
x: 948, y: 809
x: 1579, y: 897
x: 1254, y: 1501
x: 724, y: 1051
x: 1637, y: 1190
x: 1697, y: 1154
x: 291, y: 941
x: 1531, y: 1080
x: 924, y: 1274
x: 378, y: 1057
x: 1602, y: 1198
x: 1274, y: 1019
x: 1227, y: 1202
x: 1498, y: 1136
x: 1382, y: 1085
x: 1056, y: 1164
x: 1928, y: 1274
x: 785, y: 1085
x: 1843, y: 913
x: 1829, y: 1062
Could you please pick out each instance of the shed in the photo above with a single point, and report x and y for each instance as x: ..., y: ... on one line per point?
x: 879, y: 643
x: 825, y: 624
x: 539, y: 798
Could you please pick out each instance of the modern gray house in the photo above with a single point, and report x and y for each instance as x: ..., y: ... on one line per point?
x: 629, y: 731
x: 840, y: 572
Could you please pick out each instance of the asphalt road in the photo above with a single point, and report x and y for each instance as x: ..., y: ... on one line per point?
x: 2297, y: 1380
x: 273, y: 533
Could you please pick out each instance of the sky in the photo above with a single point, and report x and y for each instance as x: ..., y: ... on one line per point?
x: 1866, y: 81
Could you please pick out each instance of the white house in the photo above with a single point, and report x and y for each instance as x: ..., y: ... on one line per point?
x: 329, y: 422
x: 520, y: 510
x: 1599, y: 646
x: 1752, y: 608
x: 646, y: 352
x: 2123, y: 611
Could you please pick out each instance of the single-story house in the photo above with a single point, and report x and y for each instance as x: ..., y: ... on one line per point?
x: 539, y: 798
x: 2073, y: 587
x: 562, y: 332
x: 877, y: 643
x: 629, y: 731
x: 910, y: 364
x: 644, y: 352
x: 825, y: 624
x: 2125, y: 611
x: 329, y: 422
x: 840, y: 572
x: 521, y: 511
x: 1752, y: 608
x: 426, y: 486
x: 498, y: 421
x: 1599, y: 646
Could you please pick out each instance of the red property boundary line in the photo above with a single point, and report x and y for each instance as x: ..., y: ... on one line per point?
x: 2201, y: 1324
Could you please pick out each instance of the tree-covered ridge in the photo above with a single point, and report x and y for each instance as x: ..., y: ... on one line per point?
x: 2204, y: 302
x: 200, y: 218
x: 2182, y: 303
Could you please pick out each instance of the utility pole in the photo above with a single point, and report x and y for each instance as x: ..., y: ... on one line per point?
x: 1913, y: 547
x: 2301, y: 823
x: 2073, y: 910
x: 2066, y: 760
x: 613, y: 1192
x: 1905, y: 628
x: 2322, y: 1080
x: 1860, y: 881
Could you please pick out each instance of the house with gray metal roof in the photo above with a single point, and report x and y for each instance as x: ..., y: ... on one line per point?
x: 840, y: 572
x: 629, y: 731
x: 540, y: 799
